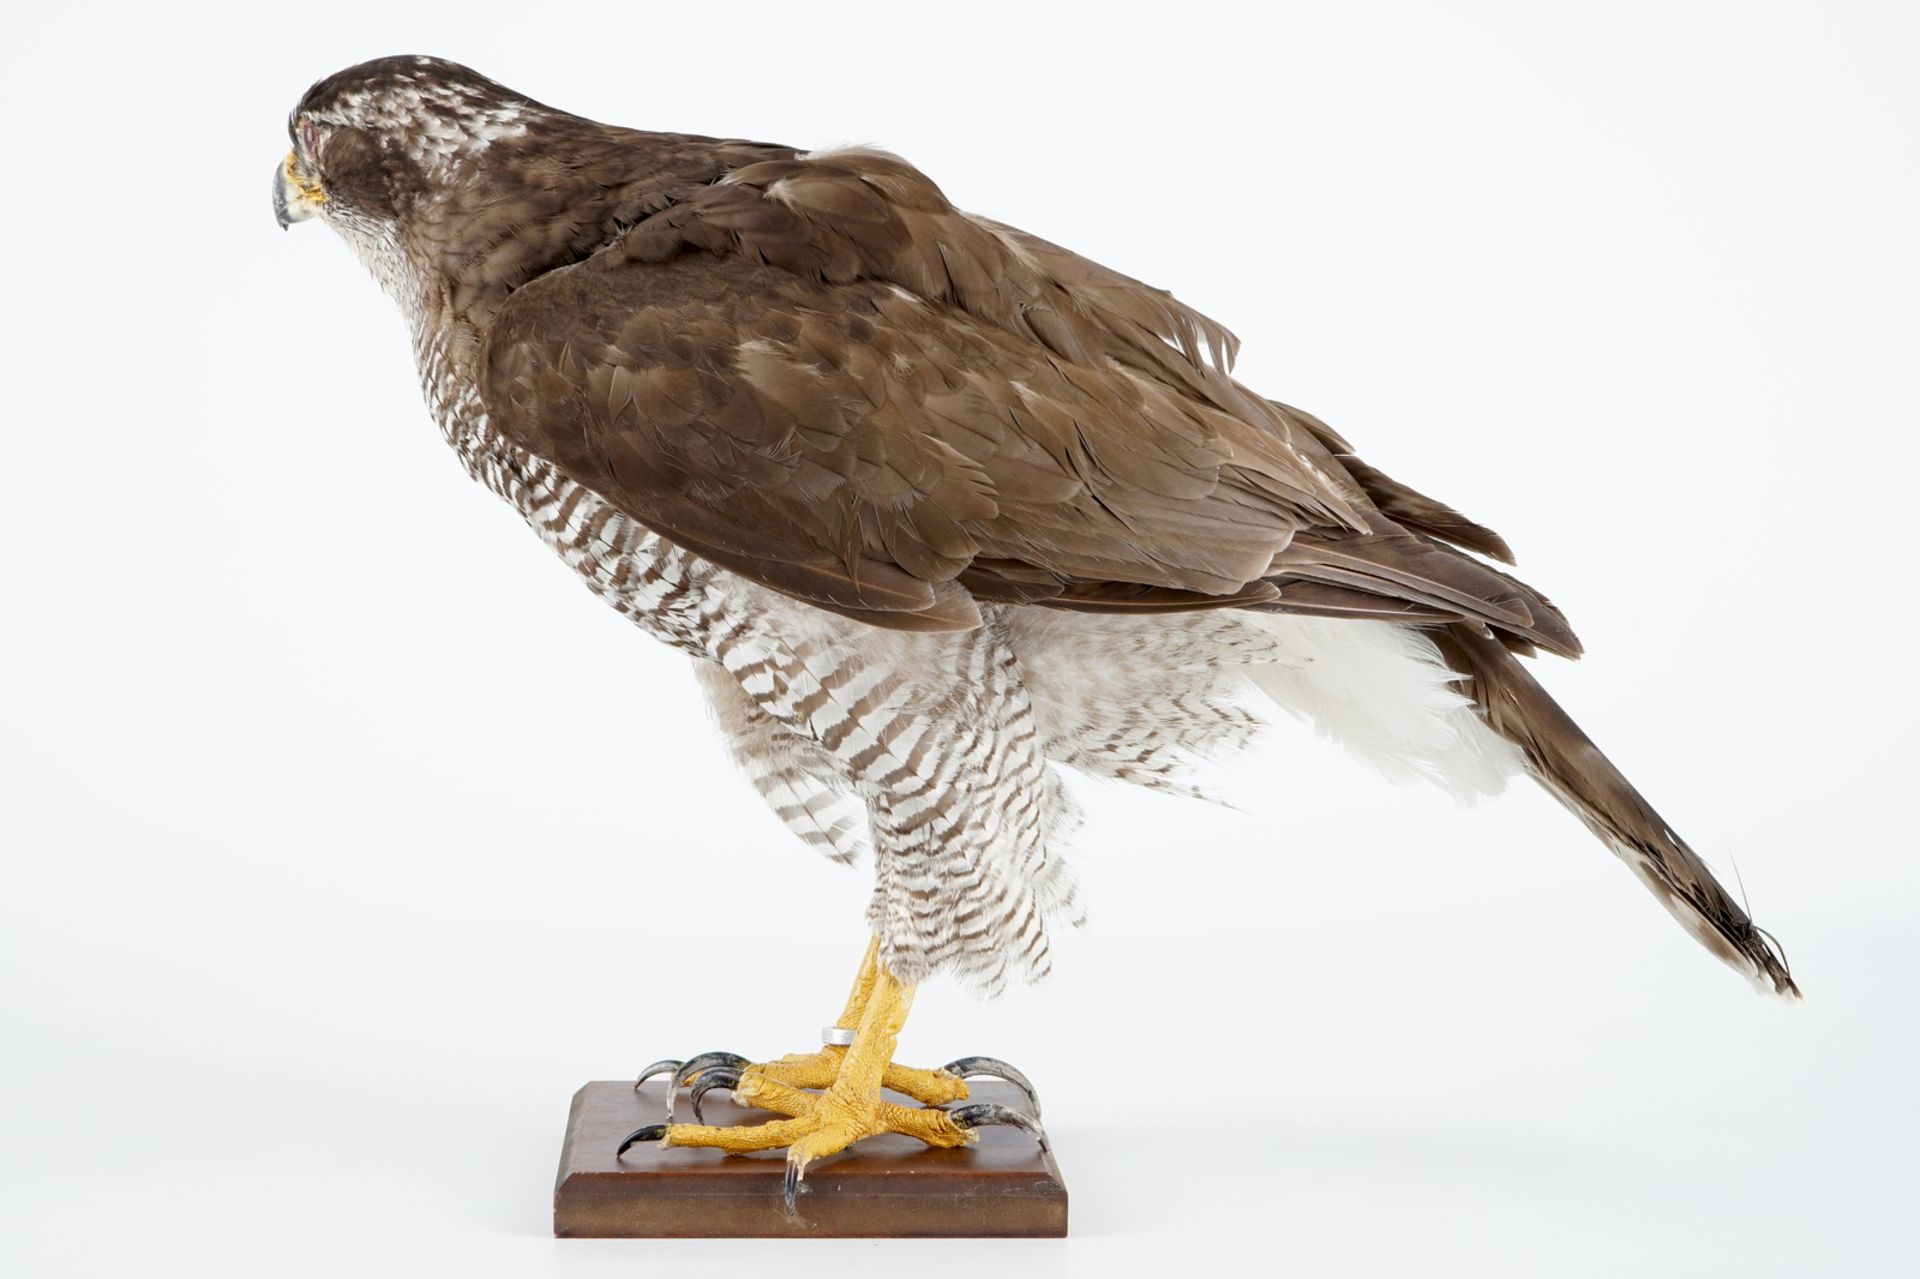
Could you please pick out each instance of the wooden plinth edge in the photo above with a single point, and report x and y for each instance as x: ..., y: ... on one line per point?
x: 1003, y: 1186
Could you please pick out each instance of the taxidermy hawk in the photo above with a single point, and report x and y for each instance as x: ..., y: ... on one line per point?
x: 938, y: 508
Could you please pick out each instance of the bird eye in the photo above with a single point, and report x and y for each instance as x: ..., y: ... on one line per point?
x: 309, y: 137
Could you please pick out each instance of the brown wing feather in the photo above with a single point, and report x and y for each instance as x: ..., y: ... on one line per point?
x: 819, y: 374
x: 1407, y: 506
x: 858, y: 214
x: 861, y: 448
x: 1402, y: 565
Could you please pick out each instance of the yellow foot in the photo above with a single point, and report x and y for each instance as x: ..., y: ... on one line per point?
x: 818, y: 1070
x: 826, y: 1123
x: 848, y: 1106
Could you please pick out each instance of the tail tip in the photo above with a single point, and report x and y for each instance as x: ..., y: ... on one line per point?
x: 1769, y: 961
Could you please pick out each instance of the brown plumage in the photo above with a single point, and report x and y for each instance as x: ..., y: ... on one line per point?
x: 818, y: 373
x: 1573, y: 770
x: 811, y: 375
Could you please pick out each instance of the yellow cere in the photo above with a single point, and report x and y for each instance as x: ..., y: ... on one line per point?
x: 309, y: 191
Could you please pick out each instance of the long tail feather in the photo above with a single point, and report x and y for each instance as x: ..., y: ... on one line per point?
x: 1571, y: 768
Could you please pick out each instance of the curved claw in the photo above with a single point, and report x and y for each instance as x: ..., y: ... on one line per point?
x: 692, y: 1066
x: 652, y: 1132
x: 790, y: 1186
x: 712, y: 1077
x: 994, y: 1068
x: 985, y: 1114
x: 666, y: 1067
x: 706, y: 1061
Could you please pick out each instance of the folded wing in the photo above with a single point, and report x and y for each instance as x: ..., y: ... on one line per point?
x: 819, y: 374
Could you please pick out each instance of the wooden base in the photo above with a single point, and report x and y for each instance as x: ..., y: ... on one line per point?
x: 885, y: 1187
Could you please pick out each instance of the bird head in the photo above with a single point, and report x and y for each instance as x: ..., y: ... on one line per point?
x: 402, y: 157
x: 372, y: 142
x: 454, y: 189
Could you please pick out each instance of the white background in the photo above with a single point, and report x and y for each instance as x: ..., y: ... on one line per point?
x: 345, y: 835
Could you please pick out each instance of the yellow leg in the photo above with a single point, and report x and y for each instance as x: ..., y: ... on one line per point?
x: 818, y: 1070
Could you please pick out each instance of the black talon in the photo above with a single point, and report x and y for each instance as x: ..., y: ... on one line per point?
x: 994, y: 1068
x: 986, y: 1113
x: 705, y: 1061
x: 711, y: 1078
x: 652, y: 1132
x: 790, y: 1189
x: 666, y: 1067
x: 693, y: 1066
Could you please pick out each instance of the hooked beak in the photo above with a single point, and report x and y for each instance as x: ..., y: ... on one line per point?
x: 294, y: 198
